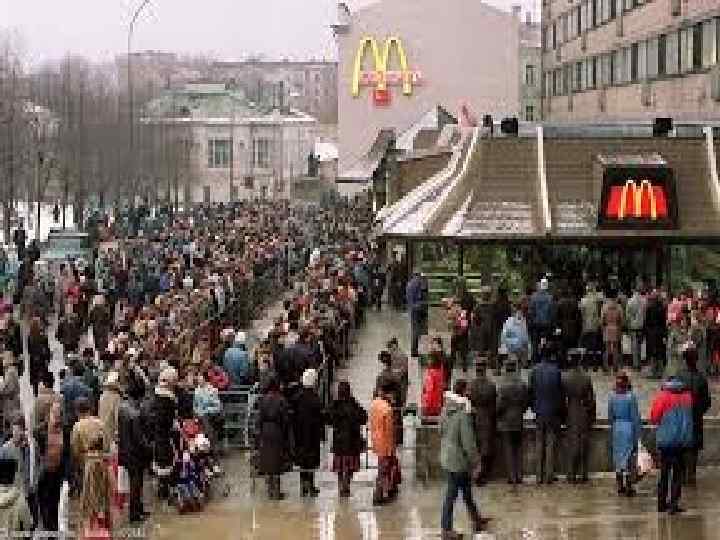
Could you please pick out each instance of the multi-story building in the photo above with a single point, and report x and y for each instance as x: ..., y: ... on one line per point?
x: 220, y: 146
x: 631, y: 59
x: 310, y: 86
x: 530, y: 69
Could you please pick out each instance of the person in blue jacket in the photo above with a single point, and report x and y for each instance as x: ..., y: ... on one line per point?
x: 625, y: 425
x: 236, y: 362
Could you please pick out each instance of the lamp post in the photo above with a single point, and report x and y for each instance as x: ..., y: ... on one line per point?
x: 131, y: 103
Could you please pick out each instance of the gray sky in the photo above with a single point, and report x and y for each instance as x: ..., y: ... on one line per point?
x: 228, y: 29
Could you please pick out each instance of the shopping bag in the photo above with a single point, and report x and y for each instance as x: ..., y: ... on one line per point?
x: 644, y: 460
x: 626, y: 345
x: 123, y: 480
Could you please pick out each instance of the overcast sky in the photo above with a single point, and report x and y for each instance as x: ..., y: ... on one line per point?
x: 228, y: 29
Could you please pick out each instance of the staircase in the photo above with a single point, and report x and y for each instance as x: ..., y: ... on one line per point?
x: 504, y: 182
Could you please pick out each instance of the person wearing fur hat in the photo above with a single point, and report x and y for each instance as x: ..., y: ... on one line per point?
x: 161, y: 414
x: 309, y: 429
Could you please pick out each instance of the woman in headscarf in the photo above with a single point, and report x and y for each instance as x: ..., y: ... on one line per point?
x: 346, y: 417
x: 98, y: 486
x: 272, y: 438
x: 625, y: 424
x: 161, y: 416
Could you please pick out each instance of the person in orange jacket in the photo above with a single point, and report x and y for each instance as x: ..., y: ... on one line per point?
x: 433, y: 387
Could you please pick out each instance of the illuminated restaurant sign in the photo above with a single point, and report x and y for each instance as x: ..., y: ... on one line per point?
x: 638, y: 197
x: 381, y: 78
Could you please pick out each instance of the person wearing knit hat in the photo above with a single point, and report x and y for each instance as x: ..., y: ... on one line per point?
x: 309, y: 429
x: 163, y: 413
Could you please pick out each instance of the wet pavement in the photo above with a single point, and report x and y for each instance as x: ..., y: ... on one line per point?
x: 528, y: 512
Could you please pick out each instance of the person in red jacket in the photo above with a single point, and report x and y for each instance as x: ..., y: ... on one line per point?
x: 671, y: 412
x: 433, y: 387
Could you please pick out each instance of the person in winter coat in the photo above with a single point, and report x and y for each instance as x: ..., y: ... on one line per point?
x: 433, y: 388
x: 580, y: 418
x: 635, y: 318
x: 9, y: 390
x: 15, y: 516
x: 481, y: 334
x: 101, y: 319
x: 483, y: 396
x: 655, y: 333
x: 108, y: 408
x: 50, y: 464
x: 235, y: 361
x: 84, y: 432
x: 161, y: 416
x: 672, y: 412
x: 98, y: 487
x: 514, y: 337
x: 69, y: 331
x: 416, y: 296
x: 458, y: 457
x: 541, y: 317
x: 548, y: 404
x: 134, y: 451
x: 17, y: 447
x: 591, y: 338
x: 13, y: 338
x: 569, y: 321
x: 38, y: 351
x: 502, y: 311
x: 625, y: 426
x: 273, y: 425
x: 208, y: 410
x: 346, y: 417
x: 309, y: 431
x: 697, y: 383
x: 612, y: 318
x: 399, y: 367
x: 382, y: 437
x: 513, y: 401
x: 388, y: 377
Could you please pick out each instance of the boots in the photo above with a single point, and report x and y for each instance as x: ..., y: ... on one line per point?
x: 344, y: 484
x: 274, y: 493
x: 307, y: 483
x: 620, y: 479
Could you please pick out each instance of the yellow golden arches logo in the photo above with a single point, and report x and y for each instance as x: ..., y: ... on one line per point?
x: 381, y: 57
x: 637, y: 193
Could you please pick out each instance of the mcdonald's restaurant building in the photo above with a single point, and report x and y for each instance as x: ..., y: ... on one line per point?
x: 399, y: 59
x: 624, y: 204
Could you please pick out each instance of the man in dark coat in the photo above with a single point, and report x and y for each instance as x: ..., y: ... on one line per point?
x: 569, y: 321
x: 482, y: 324
x: 502, y: 310
x: 272, y: 430
x: 483, y: 395
x: 417, y: 296
x: 377, y: 283
x: 513, y: 401
x: 347, y: 417
x: 309, y: 430
x: 69, y: 331
x: 655, y: 333
x: 697, y: 383
x: 133, y: 444
x: 580, y: 418
x: 160, y: 413
x: 548, y: 403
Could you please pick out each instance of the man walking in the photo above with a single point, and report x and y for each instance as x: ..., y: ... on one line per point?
x: 580, y: 418
x: 458, y: 456
x: 671, y: 411
x: 548, y: 403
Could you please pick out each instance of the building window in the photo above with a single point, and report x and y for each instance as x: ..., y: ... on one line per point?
x: 249, y: 182
x: 530, y: 75
x: 206, y: 194
x: 595, y: 13
x: 594, y: 72
x: 578, y: 77
x: 613, y: 6
x: 262, y: 153
x: 709, y: 47
x: 634, y: 61
x: 234, y: 193
x: 529, y: 113
x: 672, y: 49
x: 662, y: 55
x: 642, y: 61
x: 652, y: 58
x: 628, y: 5
x: 697, y: 47
x: 564, y: 34
x: 219, y: 153
x: 554, y: 35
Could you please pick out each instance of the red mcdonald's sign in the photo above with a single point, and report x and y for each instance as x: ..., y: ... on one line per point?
x: 640, y: 200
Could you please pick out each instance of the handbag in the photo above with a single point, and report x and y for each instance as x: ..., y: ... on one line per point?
x: 644, y: 460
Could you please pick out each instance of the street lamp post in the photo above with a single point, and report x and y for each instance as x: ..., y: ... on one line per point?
x: 131, y: 103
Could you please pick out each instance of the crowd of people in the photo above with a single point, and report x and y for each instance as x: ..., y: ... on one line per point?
x: 152, y: 331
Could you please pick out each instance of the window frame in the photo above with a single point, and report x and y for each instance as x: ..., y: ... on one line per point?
x: 219, y: 159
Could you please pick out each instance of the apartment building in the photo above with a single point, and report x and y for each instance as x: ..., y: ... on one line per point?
x: 630, y: 59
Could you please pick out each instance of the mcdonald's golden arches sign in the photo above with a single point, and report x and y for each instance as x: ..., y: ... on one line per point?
x: 381, y: 78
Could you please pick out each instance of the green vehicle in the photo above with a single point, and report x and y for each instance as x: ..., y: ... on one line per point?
x: 67, y: 245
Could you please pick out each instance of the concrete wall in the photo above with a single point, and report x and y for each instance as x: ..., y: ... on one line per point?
x: 427, y: 451
x: 467, y: 52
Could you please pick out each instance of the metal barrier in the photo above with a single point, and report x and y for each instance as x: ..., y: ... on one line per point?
x: 238, y: 405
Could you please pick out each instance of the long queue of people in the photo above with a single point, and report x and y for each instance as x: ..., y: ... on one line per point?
x: 643, y: 328
x: 150, y: 332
